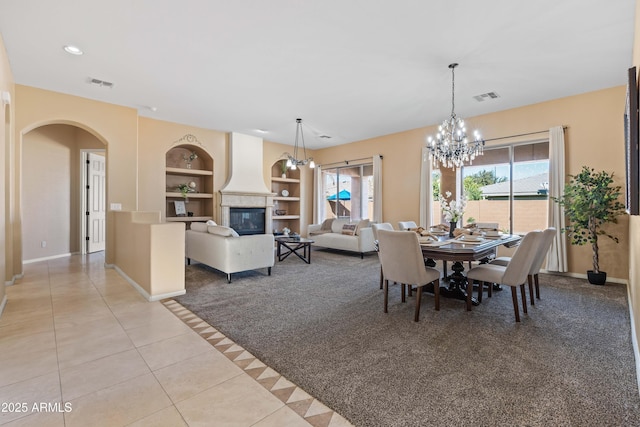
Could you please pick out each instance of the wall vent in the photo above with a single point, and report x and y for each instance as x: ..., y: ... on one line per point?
x: 486, y: 96
x: 98, y: 82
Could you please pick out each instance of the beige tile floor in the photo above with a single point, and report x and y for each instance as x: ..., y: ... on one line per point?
x: 80, y: 347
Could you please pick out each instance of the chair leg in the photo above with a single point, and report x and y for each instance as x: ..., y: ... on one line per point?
x: 381, y: 277
x: 444, y: 269
x: 535, y: 279
x: 524, y: 298
x: 404, y: 298
x: 514, y: 297
x: 530, y: 282
x: 490, y: 289
x: 410, y: 290
x: 386, y: 295
x: 480, y: 288
x: 416, y: 317
x: 436, y: 293
x: 469, y: 292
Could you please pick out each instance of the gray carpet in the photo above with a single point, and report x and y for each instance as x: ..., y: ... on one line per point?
x: 569, y: 362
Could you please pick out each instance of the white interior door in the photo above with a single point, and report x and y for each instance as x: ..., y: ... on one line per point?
x: 96, y: 216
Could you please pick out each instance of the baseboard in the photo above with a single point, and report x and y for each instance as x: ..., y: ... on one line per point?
x: 3, y: 304
x: 142, y: 291
x: 634, y: 336
x: 13, y: 279
x: 30, y: 261
x: 584, y: 276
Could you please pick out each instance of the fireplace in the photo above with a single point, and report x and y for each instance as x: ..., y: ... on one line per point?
x: 247, y: 220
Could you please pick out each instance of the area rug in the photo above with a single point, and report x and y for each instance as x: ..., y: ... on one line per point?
x: 569, y: 362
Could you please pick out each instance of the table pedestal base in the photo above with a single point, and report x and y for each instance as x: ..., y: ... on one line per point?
x: 457, y: 285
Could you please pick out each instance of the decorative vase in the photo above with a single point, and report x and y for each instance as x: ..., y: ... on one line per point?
x: 188, y: 165
x: 452, y: 226
x: 284, y: 175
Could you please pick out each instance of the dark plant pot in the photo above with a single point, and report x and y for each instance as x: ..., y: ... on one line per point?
x: 596, y: 278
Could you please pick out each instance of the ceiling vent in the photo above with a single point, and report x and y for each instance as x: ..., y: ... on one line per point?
x: 324, y: 137
x: 486, y: 96
x: 101, y: 83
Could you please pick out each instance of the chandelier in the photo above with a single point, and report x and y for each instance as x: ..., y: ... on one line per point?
x: 292, y: 160
x: 451, y: 147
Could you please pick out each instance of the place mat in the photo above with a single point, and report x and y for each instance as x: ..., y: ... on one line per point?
x: 432, y: 244
x: 468, y: 242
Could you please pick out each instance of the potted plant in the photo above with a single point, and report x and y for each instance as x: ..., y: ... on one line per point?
x: 283, y: 168
x: 591, y: 200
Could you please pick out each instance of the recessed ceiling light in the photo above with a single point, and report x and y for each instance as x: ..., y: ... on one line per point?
x: 73, y: 50
x: 262, y: 131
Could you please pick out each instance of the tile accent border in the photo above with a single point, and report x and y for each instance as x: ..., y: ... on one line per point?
x: 306, y: 406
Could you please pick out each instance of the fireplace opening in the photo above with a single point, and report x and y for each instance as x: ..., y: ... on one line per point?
x: 247, y: 220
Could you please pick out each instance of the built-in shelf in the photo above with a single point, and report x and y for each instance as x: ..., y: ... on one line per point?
x: 286, y: 216
x: 286, y: 199
x: 188, y: 218
x: 187, y: 172
x: 290, y: 204
x: 190, y: 195
x: 199, y: 176
x: 280, y: 179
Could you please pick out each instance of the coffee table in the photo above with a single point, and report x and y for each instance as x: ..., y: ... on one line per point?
x: 293, y: 245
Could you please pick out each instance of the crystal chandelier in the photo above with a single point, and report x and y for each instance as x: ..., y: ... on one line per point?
x: 451, y: 147
x: 292, y: 160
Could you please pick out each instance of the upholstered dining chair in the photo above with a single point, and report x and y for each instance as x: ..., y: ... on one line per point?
x: 380, y: 226
x: 541, y: 253
x: 402, y: 262
x: 407, y: 225
x: 513, y: 275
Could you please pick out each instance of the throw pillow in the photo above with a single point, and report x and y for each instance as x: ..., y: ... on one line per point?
x: 349, y: 229
x: 222, y: 231
x: 326, y: 224
x: 211, y: 222
x: 364, y: 223
x: 199, y: 226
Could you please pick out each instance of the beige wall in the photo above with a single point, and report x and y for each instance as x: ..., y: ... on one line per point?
x: 6, y: 131
x: 51, y: 189
x: 115, y: 126
x: 594, y: 138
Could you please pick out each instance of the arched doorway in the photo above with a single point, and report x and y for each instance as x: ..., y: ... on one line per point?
x: 52, y: 189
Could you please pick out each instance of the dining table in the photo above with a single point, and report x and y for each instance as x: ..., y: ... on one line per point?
x: 462, y: 249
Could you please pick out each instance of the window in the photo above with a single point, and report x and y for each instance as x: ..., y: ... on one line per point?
x: 509, y: 185
x: 348, y: 192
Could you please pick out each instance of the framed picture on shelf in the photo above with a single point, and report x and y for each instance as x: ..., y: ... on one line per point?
x: 181, y: 209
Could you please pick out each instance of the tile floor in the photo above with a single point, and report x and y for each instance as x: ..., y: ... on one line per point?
x: 80, y: 347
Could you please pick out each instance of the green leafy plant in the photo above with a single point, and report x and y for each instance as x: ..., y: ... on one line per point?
x: 590, y: 200
x: 283, y: 166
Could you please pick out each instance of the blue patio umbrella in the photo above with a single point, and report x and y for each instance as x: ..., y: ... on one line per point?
x: 342, y: 195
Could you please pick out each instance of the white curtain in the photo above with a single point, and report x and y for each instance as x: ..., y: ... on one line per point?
x: 557, y: 257
x: 426, y: 190
x: 377, y: 188
x: 318, y: 200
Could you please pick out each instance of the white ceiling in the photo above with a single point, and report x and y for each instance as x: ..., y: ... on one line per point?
x: 352, y: 69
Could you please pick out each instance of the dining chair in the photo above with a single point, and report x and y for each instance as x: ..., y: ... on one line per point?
x: 540, y: 255
x: 375, y: 227
x: 513, y: 275
x: 407, y: 225
x: 411, y: 225
x: 402, y: 262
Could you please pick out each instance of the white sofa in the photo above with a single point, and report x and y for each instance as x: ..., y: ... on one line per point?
x: 333, y: 235
x: 221, y: 248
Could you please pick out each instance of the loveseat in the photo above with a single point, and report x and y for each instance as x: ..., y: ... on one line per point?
x: 343, y: 235
x: 223, y: 249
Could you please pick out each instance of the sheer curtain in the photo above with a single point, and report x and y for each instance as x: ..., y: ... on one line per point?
x: 557, y: 258
x: 426, y: 190
x: 377, y: 188
x: 318, y: 201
